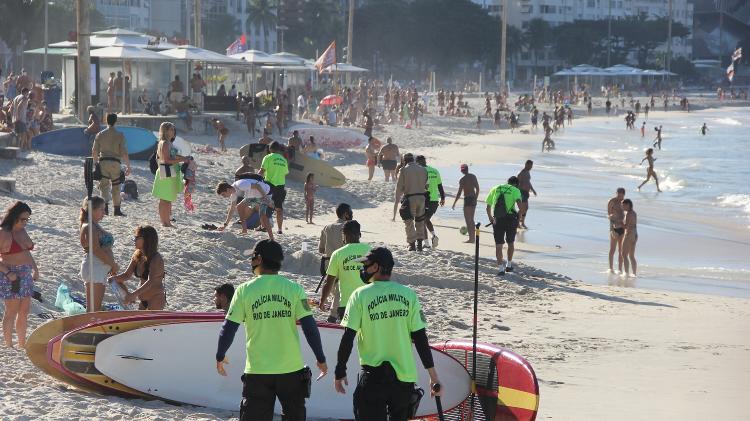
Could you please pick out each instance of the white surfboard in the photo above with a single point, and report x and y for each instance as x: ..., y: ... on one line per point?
x: 177, y: 362
x: 184, y: 147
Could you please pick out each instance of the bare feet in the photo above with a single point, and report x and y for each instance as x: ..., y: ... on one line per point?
x: 469, y: 241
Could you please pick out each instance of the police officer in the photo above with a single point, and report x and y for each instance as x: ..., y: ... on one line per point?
x: 502, y: 201
x: 332, y: 239
x: 386, y: 318
x: 274, y: 169
x: 435, y: 197
x: 108, y: 150
x: 344, y: 267
x: 269, y: 305
x: 412, y: 185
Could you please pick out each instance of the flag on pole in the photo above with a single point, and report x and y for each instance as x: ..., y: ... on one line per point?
x: 326, y: 59
x: 737, y: 54
x: 730, y: 72
x: 237, y: 46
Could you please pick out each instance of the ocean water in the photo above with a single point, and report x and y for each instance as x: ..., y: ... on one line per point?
x: 694, y: 237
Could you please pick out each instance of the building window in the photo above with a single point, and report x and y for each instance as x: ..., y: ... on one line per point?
x: 527, y: 9
x: 546, y: 9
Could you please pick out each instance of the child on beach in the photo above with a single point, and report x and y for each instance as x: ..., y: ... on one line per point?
x: 221, y: 133
x: 310, y: 188
x: 650, y: 171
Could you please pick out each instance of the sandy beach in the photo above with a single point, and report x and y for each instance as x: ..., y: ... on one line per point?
x: 603, y: 348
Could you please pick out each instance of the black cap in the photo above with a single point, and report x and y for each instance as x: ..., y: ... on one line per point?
x: 379, y: 255
x: 269, y: 250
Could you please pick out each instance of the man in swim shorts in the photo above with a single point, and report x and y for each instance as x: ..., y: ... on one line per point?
x: 469, y: 186
x: 388, y: 158
x: 524, y: 184
x: 371, y: 153
x: 616, y: 229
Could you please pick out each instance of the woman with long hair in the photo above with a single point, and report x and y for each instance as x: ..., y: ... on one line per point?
x: 630, y: 237
x: 103, y: 262
x: 18, y: 271
x: 168, y: 179
x: 148, y: 266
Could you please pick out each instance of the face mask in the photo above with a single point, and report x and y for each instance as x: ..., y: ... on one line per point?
x: 254, y: 267
x: 363, y: 275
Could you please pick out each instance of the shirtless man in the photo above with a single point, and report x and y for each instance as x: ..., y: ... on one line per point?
x: 524, y: 184
x: 294, y: 145
x: 266, y: 139
x: 371, y: 154
x: 388, y: 158
x: 616, y: 228
x: 657, y: 139
x: 244, y: 169
x: 650, y: 171
x: 469, y: 186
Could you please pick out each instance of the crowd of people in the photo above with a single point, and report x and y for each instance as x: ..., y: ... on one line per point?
x: 25, y: 114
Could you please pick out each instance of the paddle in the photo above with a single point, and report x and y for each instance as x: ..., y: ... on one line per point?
x: 476, y: 301
x: 88, y: 177
x: 438, y: 403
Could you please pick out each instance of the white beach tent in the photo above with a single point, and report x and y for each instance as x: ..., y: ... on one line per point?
x: 345, y: 68
x: 123, y: 53
x: 259, y: 58
x: 189, y: 53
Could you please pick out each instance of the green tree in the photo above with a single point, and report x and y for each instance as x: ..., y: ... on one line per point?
x: 262, y: 13
x: 537, y: 36
x: 642, y: 35
x: 321, y: 22
x: 220, y: 31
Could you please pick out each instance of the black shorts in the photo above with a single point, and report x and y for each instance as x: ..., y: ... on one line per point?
x: 430, y: 209
x: 504, y: 230
x: 389, y: 164
x: 524, y: 196
x: 470, y: 201
x: 279, y: 196
x: 260, y: 391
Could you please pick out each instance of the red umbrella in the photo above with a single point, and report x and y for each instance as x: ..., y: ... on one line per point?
x: 332, y: 100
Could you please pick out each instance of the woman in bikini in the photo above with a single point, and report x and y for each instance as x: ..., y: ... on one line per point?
x: 18, y: 271
x: 650, y: 171
x: 148, y: 266
x: 221, y: 133
x: 103, y: 262
x: 630, y: 237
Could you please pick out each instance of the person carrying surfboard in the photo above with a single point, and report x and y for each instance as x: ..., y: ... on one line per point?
x: 385, y: 317
x: 108, y: 151
x: 344, y: 268
x: 269, y: 305
x: 274, y: 169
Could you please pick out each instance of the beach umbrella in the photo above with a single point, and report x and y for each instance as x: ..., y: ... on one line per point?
x: 332, y: 100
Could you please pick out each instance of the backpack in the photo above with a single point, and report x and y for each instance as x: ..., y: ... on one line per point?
x: 501, y: 211
x: 130, y: 188
x: 153, y: 165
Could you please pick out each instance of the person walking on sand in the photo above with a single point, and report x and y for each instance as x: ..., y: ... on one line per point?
x: 657, y: 139
x: 385, y: 387
x: 650, y: 171
x: 168, y: 178
x: 388, y: 158
x: 108, y: 150
x: 344, y: 268
x: 103, y: 262
x: 468, y: 185
x: 18, y: 272
x: 501, y: 211
x: 412, y: 185
x: 630, y: 238
x: 371, y: 154
x: 616, y: 217
x: 524, y: 184
x: 332, y: 239
x: 274, y: 169
x: 435, y: 198
x: 643, y: 130
x: 310, y: 188
x: 274, y: 367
